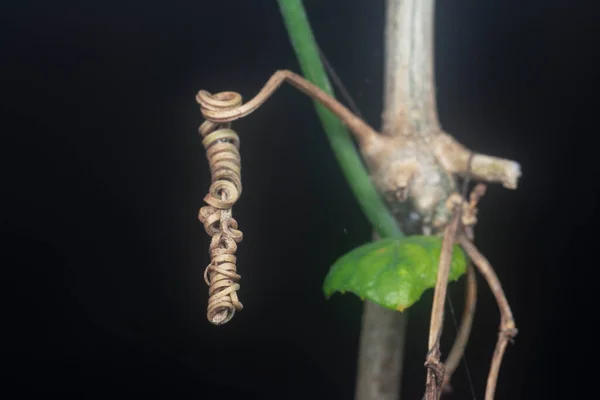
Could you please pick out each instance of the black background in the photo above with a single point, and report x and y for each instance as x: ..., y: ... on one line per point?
x: 103, y: 173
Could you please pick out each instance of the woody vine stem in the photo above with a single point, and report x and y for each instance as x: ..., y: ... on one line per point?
x: 413, y: 164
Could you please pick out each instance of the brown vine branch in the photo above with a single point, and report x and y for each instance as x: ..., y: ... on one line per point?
x: 508, y: 328
x: 435, y: 368
x: 462, y: 337
x: 222, y: 150
x: 468, y: 219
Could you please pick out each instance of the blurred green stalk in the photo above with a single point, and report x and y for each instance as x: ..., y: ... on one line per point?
x: 340, y: 140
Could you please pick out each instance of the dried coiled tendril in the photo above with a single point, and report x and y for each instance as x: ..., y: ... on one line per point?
x: 222, y: 150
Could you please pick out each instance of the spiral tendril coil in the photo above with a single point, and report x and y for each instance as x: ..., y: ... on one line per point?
x: 222, y: 150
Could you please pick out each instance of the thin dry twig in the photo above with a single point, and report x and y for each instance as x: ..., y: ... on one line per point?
x: 468, y: 219
x: 462, y: 337
x: 435, y: 368
x: 508, y: 328
x: 362, y: 131
x: 437, y: 375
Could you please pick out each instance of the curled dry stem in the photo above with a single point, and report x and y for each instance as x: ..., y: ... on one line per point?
x: 362, y: 131
x: 222, y: 150
x: 508, y: 328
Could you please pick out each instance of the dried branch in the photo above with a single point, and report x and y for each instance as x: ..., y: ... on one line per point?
x: 462, y: 337
x: 435, y: 368
x: 508, y: 328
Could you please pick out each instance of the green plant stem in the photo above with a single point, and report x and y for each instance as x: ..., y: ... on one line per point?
x: 340, y: 140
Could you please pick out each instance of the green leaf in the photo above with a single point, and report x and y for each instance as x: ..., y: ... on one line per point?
x: 392, y: 272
